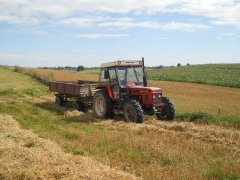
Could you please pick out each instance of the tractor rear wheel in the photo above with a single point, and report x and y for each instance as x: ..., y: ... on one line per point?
x: 133, y: 112
x: 167, y: 111
x: 59, y: 100
x: 102, y: 105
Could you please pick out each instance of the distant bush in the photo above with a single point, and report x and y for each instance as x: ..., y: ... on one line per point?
x: 59, y: 68
x: 18, y: 69
x: 195, y: 116
x: 80, y: 68
x: 227, y: 120
x: 43, y: 79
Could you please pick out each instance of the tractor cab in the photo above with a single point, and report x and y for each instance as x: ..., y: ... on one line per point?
x: 122, y: 73
x: 125, y: 85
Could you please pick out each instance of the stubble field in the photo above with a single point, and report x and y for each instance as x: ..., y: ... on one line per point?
x: 152, y: 150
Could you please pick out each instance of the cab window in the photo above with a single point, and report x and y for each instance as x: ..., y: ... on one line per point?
x: 102, y: 80
x: 113, y: 76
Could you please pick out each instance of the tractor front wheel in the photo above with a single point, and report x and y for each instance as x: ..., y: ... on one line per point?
x: 133, y: 112
x: 167, y: 111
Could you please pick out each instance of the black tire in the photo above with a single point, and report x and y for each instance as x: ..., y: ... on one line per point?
x: 133, y: 112
x: 167, y: 111
x: 106, y: 105
x: 59, y: 100
x: 80, y: 106
x: 149, y: 111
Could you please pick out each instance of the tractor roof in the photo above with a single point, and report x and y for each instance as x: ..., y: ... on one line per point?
x: 122, y: 63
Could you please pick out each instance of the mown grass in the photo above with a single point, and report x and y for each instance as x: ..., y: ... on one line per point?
x: 149, y: 154
x: 213, y: 74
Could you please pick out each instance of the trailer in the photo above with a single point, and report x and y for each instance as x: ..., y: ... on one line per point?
x: 80, y: 92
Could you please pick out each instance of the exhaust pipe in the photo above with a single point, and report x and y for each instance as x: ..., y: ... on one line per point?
x: 144, y: 74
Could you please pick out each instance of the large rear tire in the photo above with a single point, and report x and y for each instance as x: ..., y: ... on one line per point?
x: 102, y: 105
x: 133, y: 112
x: 167, y: 111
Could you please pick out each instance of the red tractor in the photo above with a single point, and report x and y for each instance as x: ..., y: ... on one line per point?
x: 123, y: 86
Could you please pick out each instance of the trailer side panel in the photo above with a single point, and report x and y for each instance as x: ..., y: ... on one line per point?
x: 73, y: 88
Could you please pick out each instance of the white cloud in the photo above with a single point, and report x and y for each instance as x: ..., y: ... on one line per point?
x: 224, y: 12
x: 25, y: 31
x: 125, y: 24
x: 228, y: 34
x: 78, y: 21
x: 95, y: 36
x: 69, y: 12
x: 10, y: 56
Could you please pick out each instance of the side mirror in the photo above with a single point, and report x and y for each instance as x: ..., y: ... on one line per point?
x: 106, y: 74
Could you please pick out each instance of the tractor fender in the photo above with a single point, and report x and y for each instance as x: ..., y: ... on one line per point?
x: 110, y: 92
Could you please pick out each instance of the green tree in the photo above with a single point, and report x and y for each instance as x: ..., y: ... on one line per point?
x: 80, y: 68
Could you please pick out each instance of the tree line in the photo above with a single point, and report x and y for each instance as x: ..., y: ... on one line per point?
x: 82, y: 68
x: 67, y: 68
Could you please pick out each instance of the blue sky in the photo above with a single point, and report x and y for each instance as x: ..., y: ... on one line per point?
x: 80, y: 32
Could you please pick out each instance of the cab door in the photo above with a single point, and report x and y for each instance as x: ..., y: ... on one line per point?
x: 114, y: 83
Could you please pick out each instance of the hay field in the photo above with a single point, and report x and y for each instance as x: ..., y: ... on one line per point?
x: 188, y: 97
x: 152, y: 150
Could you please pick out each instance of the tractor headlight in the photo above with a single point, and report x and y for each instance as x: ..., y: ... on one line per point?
x: 157, y: 96
x: 154, y: 96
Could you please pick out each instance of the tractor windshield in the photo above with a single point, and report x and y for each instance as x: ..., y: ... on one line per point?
x: 130, y: 75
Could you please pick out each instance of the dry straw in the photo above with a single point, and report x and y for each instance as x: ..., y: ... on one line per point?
x: 23, y: 155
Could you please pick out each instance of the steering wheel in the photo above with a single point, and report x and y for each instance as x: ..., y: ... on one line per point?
x: 129, y: 80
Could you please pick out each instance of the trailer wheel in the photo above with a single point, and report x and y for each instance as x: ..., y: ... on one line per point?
x: 80, y: 106
x: 167, y: 111
x: 59, y: 100
x: 133, y: 112
x: 102, y: 105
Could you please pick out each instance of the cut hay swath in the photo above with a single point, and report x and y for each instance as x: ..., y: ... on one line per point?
x: 23, y: 155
